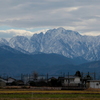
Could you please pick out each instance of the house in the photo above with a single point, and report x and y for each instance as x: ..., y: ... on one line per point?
x: 52, y: 78
x: 93, y: 83
x: 19, y: 82
x: 71, y: 81
x: 2, y: 82
x: 10, y: 80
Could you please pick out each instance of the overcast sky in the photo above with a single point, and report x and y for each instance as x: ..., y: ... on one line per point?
x: 24, y: 17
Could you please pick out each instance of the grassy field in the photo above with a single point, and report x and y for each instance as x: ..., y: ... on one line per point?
x: 29, y: 94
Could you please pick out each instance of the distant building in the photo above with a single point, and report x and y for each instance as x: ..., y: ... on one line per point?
x: 93, y: 83
x: 10, y: 80
x: 71, y: 81
x: 19, y: 82
x: 2, y: 82
x: 52, y: 78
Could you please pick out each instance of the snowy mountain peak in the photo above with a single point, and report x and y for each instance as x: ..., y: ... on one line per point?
x: 3, y: 41
x: 19, y: 37
x: 58, y: 30
x: 20, y: 43
x: 61, y: 29
x: 60, y: 41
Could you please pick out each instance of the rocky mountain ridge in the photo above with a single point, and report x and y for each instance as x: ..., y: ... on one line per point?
x: 59, y: 41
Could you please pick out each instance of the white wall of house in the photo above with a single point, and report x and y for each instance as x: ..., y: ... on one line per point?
x: 94, y: 84
x: 77, y: 80
x: 72, y: 81
x: 3, y: 80
x: 10, y: 80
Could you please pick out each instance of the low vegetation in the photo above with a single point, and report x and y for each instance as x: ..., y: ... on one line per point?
x: 30, y: 94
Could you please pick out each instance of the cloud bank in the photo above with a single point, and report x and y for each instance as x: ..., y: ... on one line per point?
x: 13, y: 32
x: 79, y: 15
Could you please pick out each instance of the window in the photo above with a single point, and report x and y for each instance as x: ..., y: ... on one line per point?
x: 97, y: 84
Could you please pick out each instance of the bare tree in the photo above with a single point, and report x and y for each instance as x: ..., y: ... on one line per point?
x: 35, y: 75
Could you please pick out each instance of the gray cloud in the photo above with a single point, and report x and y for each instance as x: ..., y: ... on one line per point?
x: 80, y: 15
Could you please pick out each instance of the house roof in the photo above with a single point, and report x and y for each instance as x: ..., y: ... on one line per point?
x: 71, y: 77
x: 11, y: 78
x: 7, y: 80
x: 93, y: 80
x: 1, y: 79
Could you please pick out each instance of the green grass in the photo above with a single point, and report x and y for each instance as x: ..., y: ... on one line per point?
x: 49, y: 95
x: 27, y: 94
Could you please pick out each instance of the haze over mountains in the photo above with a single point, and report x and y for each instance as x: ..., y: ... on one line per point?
x: 55, y: 50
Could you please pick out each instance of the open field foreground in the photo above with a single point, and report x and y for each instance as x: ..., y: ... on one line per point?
x: 30, y: 94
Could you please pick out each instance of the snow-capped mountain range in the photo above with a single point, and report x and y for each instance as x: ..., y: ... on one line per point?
x: 60, y: 41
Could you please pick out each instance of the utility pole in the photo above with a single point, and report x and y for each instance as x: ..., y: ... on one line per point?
x: 68, y: 79
x: 82, y: 78
x: 94, y: 75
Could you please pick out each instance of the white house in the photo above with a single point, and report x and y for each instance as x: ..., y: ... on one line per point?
x: 94, y: 83
x: 6, y: 81
x: 71, y: 81
x: 10, y: 80
x: 2, y: 82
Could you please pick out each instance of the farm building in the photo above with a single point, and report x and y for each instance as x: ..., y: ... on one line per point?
x: 93, y: 83
x: 2, y: 82
x: 71, y: 81
x: 8, y: 81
